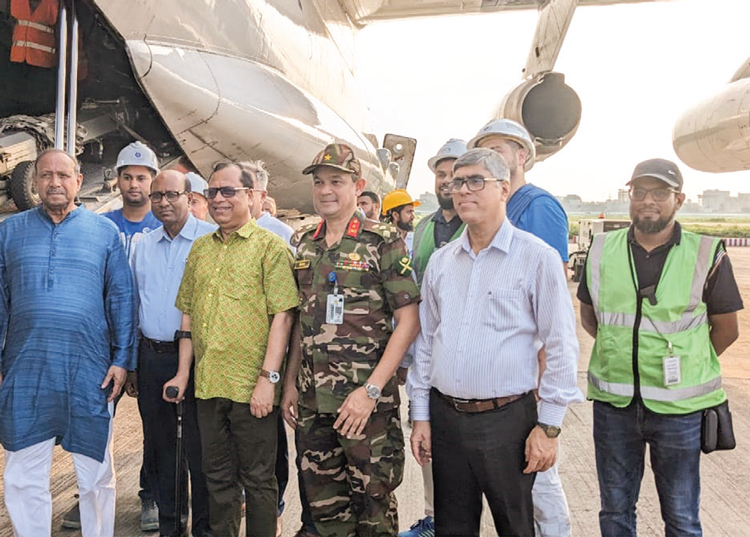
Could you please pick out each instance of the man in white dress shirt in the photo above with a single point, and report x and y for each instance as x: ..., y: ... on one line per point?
x: 486, y: 297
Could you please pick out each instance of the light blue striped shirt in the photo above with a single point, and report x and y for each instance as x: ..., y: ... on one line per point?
x: 481, y: 315
x: 158, y: 264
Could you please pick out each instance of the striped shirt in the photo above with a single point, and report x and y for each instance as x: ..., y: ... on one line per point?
x: 481, y: 314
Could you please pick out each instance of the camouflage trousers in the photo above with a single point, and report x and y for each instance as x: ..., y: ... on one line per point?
x: 350, y: 482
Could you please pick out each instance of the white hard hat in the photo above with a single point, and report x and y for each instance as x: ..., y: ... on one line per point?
x: 507, y: 128
x: 137, y: 154
x: 453, y: 148
x: 197, y: 183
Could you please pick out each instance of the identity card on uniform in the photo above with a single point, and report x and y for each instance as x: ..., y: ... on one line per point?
x: 335, y: 309
x: 672, y: 372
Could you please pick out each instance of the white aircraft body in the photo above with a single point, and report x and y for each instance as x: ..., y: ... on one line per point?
x: 209, y: 80
x: 714, y: 135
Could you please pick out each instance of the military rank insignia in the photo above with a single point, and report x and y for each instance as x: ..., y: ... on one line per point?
x: 405, y: 264
x: 301, y: 264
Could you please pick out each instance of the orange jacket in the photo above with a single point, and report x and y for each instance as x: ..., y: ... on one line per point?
x: 34, y: 33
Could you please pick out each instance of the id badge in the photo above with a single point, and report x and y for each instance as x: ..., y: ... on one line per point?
x: 672, y: 371
x: 335, y: 309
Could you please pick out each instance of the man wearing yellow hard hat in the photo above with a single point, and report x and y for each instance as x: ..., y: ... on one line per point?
x: 398, y: 209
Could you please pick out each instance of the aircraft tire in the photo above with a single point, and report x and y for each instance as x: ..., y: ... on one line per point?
x: 22, y: 186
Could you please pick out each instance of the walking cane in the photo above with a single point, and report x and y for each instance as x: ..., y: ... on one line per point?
x: 172, y: 392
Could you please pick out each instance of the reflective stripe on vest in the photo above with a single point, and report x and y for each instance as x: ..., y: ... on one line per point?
x: 37, y: 46
x: 37, y: 26
x: 666, y: 395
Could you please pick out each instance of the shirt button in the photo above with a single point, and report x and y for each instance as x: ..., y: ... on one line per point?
x: 204, y: 325
x: 217, y: 269
x: 210, y: 295
x: 225, y: 246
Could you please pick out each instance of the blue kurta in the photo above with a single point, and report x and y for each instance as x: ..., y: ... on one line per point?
x: 66, y: 315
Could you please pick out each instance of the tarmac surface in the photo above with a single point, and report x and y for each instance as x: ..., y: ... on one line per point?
x: 725, y: 475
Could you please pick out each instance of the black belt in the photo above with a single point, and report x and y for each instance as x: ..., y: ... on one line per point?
x: 160, y: 347
x: 478, y: 405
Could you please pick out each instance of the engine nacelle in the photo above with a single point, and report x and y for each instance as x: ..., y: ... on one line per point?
x: 714, y: 135
x: 548, y: 108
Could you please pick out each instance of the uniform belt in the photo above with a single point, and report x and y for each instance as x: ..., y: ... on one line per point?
x: 161, y: 347
x: 473, y: 406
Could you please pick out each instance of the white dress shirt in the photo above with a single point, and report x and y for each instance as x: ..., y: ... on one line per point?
x: 480, y: 316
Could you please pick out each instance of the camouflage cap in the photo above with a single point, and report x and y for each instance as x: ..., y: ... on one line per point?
x: 339, y: 156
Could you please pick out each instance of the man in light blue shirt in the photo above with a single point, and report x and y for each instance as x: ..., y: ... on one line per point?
x: 487, y: 297
x: 158, y: 264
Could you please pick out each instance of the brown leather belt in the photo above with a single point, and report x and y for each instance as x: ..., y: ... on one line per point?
x: 472, y: 406
x: 159, y: 347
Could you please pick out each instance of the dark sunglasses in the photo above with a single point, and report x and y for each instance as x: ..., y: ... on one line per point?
x: 226, y: 191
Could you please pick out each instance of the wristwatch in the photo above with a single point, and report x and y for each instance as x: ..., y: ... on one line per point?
x: 182, y: 334
x: 550, y: 430
x: 272, y: 376
x: 373, y: 392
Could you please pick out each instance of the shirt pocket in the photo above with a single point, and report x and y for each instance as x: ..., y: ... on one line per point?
x: 356, y: 301
x: 503, y: 309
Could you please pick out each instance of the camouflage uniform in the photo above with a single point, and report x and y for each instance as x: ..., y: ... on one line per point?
x: 350, y: 482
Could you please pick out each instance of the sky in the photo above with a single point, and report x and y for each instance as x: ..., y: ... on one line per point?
x: 635, y: 67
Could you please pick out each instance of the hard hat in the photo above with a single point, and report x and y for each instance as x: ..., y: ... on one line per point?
x: 197, y: 183
x: 507, y: 128
x: 398, y: 198
x: 137, y: 154
x: 453, y: 148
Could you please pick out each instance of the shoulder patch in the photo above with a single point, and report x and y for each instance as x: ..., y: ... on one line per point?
x: 297, y: 236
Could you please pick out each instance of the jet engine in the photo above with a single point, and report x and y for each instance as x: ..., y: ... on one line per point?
x: 714, y: 135
x: 548, y: 108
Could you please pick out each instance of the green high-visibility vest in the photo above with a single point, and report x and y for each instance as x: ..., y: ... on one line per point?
x: 678, y: 318
x: 424, y: 244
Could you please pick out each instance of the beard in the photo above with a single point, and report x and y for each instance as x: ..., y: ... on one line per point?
x: 445, y: 203
x: 651, y: 227
x: 405, y: 226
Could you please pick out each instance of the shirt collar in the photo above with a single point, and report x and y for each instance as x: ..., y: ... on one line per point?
x: 244, y: 232
x: 440, y: 218
x: 673, y: 240
x: 353, y: 228
x: 188, y: 232
x: 501, y: 241
x: 72, y: 214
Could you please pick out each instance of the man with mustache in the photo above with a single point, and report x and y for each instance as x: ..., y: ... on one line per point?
x: 158, y: 265
x: 662, y: 304
x: 66, y: 323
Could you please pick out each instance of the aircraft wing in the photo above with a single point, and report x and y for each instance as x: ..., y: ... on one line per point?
x: 363, y: 12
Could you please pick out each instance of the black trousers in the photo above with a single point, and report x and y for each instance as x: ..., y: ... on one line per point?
x: 160, y: 429
x: 482, y: 454
x: 239, y: 452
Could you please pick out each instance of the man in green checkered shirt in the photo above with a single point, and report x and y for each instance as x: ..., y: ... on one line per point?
x: 238, y: 297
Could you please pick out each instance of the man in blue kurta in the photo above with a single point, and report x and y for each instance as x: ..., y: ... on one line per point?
x: 67, y: 321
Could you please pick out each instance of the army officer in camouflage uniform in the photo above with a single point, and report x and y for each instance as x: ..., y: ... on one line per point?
x: 354, y: 277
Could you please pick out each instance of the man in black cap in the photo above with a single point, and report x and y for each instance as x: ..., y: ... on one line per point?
x: 662, y: 304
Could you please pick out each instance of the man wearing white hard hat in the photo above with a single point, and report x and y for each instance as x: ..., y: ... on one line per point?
x: 136, y: 167
x: 538, y: 212
x: 198, y: 202
x: 444, y: 225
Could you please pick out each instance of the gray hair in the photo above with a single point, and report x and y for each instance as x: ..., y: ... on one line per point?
x: 46, y: 152
x: 491, y: 160
x: 256, y: 167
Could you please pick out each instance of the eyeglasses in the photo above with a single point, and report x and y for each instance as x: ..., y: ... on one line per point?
x: 474, y: 183
x: 171, y: 195
x: 657, y: 194
x: 226, y: 191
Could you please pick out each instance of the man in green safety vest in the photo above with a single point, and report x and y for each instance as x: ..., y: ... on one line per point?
x: 444, y: 225
x: 662, y: 304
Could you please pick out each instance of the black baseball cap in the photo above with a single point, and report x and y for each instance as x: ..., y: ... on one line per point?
x: 659, y: 168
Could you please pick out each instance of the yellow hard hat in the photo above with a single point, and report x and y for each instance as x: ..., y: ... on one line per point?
x: 397, y: 198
